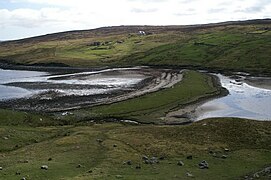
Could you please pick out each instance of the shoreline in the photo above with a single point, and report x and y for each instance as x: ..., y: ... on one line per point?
x: 260, y: 82
x: 161, y: 79
x: 186, y: 113
x: 155, y: 80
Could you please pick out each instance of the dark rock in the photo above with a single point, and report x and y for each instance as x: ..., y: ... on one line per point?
x: 267, y: 170
x: 99, y: 140
x: 17, y: 173
x: 189, y: 157
x: 162, y: 158
x: 79, y: 166
x: 224, y: 156
x: 138, y: 167
x: 226, y: 150
x: 256, y: 175
x: 180, y: 163
x: 96, y: 43
x: 90, y: 171
x: 203, y: 165
x: 1, y: 168
x: 145, y: 158
x: 154, y: 160
x: 45, y: 167
x: 146, y: 161
x: 50, y: 159
x: 129, y: 162
x: 114, y: 145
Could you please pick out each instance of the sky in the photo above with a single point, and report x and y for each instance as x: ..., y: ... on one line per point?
x: 27, y: 18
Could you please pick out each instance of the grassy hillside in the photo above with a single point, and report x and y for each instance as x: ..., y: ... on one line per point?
x: 240, y: 46
x: 234, y: 49
x: 99, y: 151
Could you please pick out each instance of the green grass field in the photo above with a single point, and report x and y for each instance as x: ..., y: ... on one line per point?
x: 68, y: 146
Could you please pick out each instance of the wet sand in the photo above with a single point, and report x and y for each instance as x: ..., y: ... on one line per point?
x: 261, y: 82
x: 64, y: 93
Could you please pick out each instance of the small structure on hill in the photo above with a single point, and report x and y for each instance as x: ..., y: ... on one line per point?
x: 142, y: 33
x: 96, y: 43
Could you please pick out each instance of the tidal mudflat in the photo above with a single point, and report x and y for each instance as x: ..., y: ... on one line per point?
x: 40, y: 91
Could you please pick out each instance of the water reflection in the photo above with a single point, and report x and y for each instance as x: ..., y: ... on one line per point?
x: 20, y: 84
x: 244, y: 101
x: 8, y: 76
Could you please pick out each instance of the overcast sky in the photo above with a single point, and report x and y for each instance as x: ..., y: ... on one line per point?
x: 26, y: 18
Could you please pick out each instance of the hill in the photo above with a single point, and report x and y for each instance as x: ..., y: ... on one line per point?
x: 239, y: 46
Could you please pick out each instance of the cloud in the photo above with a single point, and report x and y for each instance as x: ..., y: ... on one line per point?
x: 217, y: 10
x: 139, y: 10
x: 29, y: 18
x: 149, y: 1
x: 254, y: 9
x: 184, y: 14
x: 46, y: 16
x: 186, y: 1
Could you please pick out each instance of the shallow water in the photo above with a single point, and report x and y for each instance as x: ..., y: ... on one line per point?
x: 243, y: 101
x: 94, y: 78
x: 8, y: 76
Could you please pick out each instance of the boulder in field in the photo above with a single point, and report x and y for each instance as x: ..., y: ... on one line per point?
x: 99, y: 140
x: 189, y: 157
x: 145, y: 158
x: 204, y: 165
x: 45, y: 167
x: 180, y: 163
x: 189, y: 174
